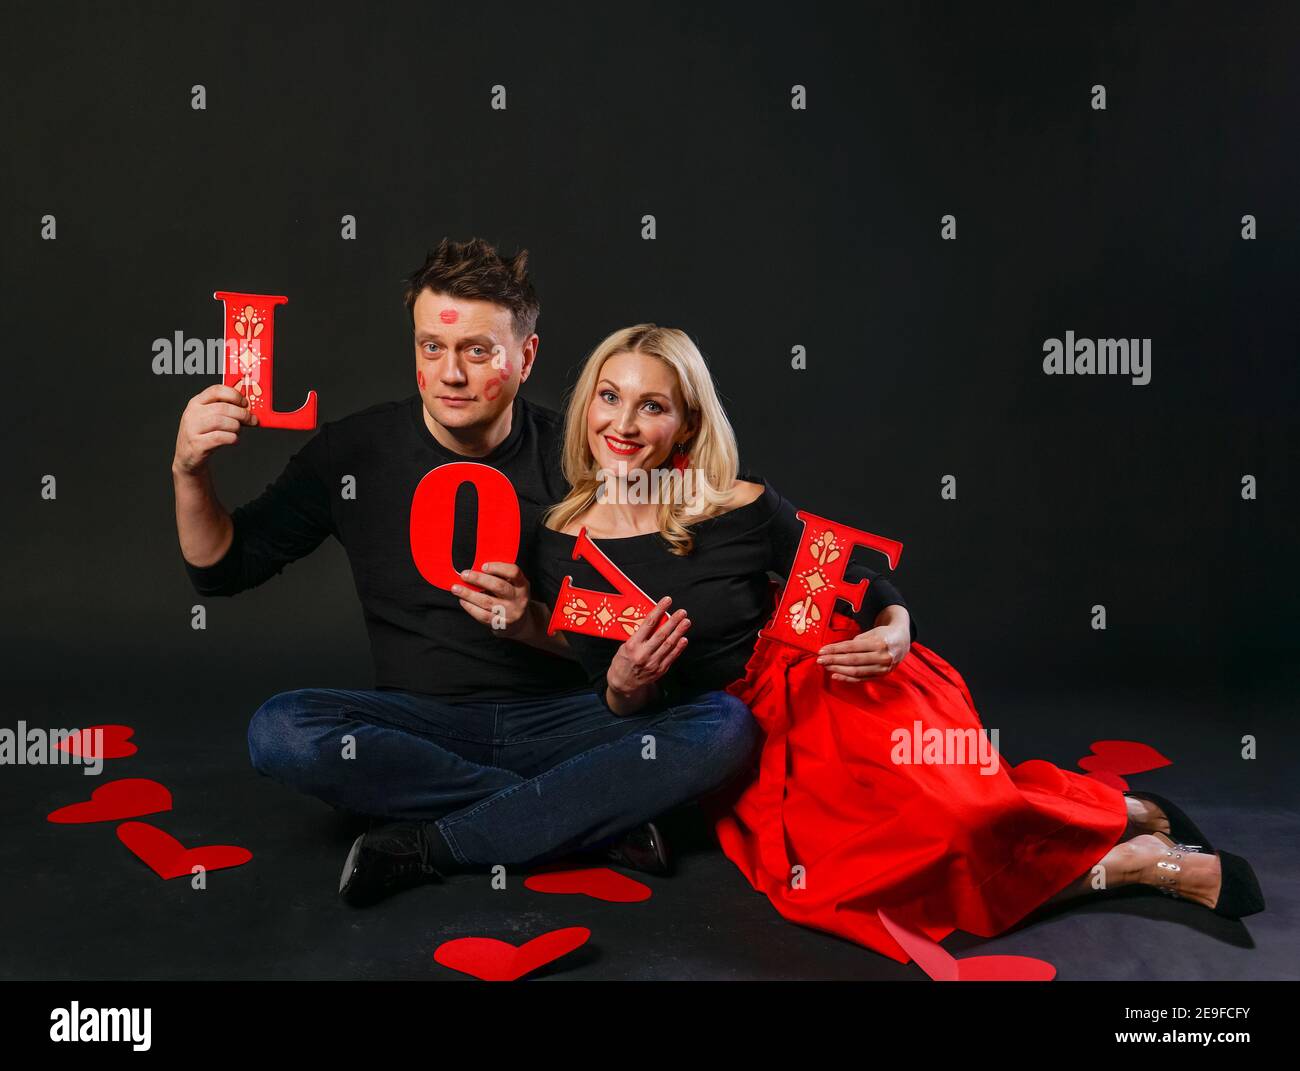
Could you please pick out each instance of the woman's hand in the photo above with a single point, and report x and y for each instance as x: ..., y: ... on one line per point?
x: 872, y: 653
x: 644, y: 657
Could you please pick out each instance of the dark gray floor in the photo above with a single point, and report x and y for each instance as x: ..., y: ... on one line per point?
x: 78, y: 905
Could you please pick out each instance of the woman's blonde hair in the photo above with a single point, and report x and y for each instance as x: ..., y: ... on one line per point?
x: 714, y: 457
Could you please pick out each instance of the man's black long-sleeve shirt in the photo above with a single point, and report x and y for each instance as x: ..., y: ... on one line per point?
x: 421, y: 640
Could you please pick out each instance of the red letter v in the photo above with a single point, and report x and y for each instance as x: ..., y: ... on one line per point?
x: 597, y: 613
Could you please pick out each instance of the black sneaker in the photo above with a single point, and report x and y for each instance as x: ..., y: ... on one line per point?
x: 643, y: 848
x: 386, y: 860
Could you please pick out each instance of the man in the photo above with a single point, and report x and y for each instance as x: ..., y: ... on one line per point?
x: 481, y: 743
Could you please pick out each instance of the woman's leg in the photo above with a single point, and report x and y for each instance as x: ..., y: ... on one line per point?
x: 1137, y: 862
x: 1110, y: 871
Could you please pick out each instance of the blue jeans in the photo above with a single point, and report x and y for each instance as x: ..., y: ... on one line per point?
x: 506, y: 782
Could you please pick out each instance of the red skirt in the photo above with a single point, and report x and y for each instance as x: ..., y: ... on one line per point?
x: 835, y: 825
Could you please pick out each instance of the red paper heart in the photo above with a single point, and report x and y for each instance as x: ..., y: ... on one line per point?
x: 128, y: 798
x: 1004, y: 969
x: 1111, y: 758
x: 942, y: 967
x: 169, y: 858
x: 115, y: 745
x: 600, y: 883
x: 1123, y: 757
x: 499, y: 961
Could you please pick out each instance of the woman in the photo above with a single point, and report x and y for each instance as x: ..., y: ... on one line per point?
x: 839, y: 821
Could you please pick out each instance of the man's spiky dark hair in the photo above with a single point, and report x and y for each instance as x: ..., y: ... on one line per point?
x: 474, y: 269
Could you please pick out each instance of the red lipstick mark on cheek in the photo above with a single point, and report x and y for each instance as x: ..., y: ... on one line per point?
x: 502, y: 366
x: 449, y: 316
x: 419, y: 377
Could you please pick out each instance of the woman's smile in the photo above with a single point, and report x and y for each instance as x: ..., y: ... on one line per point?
x: 621, y: 447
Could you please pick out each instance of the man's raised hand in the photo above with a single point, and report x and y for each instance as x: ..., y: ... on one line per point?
x: 211, y: 420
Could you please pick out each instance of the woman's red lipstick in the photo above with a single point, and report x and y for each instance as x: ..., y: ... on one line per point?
x: 622, y: 446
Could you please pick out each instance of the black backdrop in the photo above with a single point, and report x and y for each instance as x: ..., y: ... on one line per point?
x: 776, y: 228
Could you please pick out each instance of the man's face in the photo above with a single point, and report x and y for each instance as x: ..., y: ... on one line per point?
x: 468, y: 362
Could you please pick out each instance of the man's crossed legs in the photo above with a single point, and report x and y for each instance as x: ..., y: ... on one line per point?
x: 468, y: 786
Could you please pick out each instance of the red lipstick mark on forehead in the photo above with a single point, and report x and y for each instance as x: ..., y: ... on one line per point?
x: 449, y: 316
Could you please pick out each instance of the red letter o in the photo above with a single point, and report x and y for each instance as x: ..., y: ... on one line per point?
x: 433, y: 520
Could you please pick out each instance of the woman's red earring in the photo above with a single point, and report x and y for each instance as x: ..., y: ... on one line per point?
x: 680, y: 457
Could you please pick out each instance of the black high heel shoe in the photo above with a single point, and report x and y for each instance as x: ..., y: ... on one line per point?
x: 1239, y: 891
x: 1181, y: 828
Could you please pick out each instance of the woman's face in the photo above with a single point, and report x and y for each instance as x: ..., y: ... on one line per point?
x: 637, y: 414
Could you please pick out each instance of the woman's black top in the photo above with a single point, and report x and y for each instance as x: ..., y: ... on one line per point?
x: 723, y: 585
